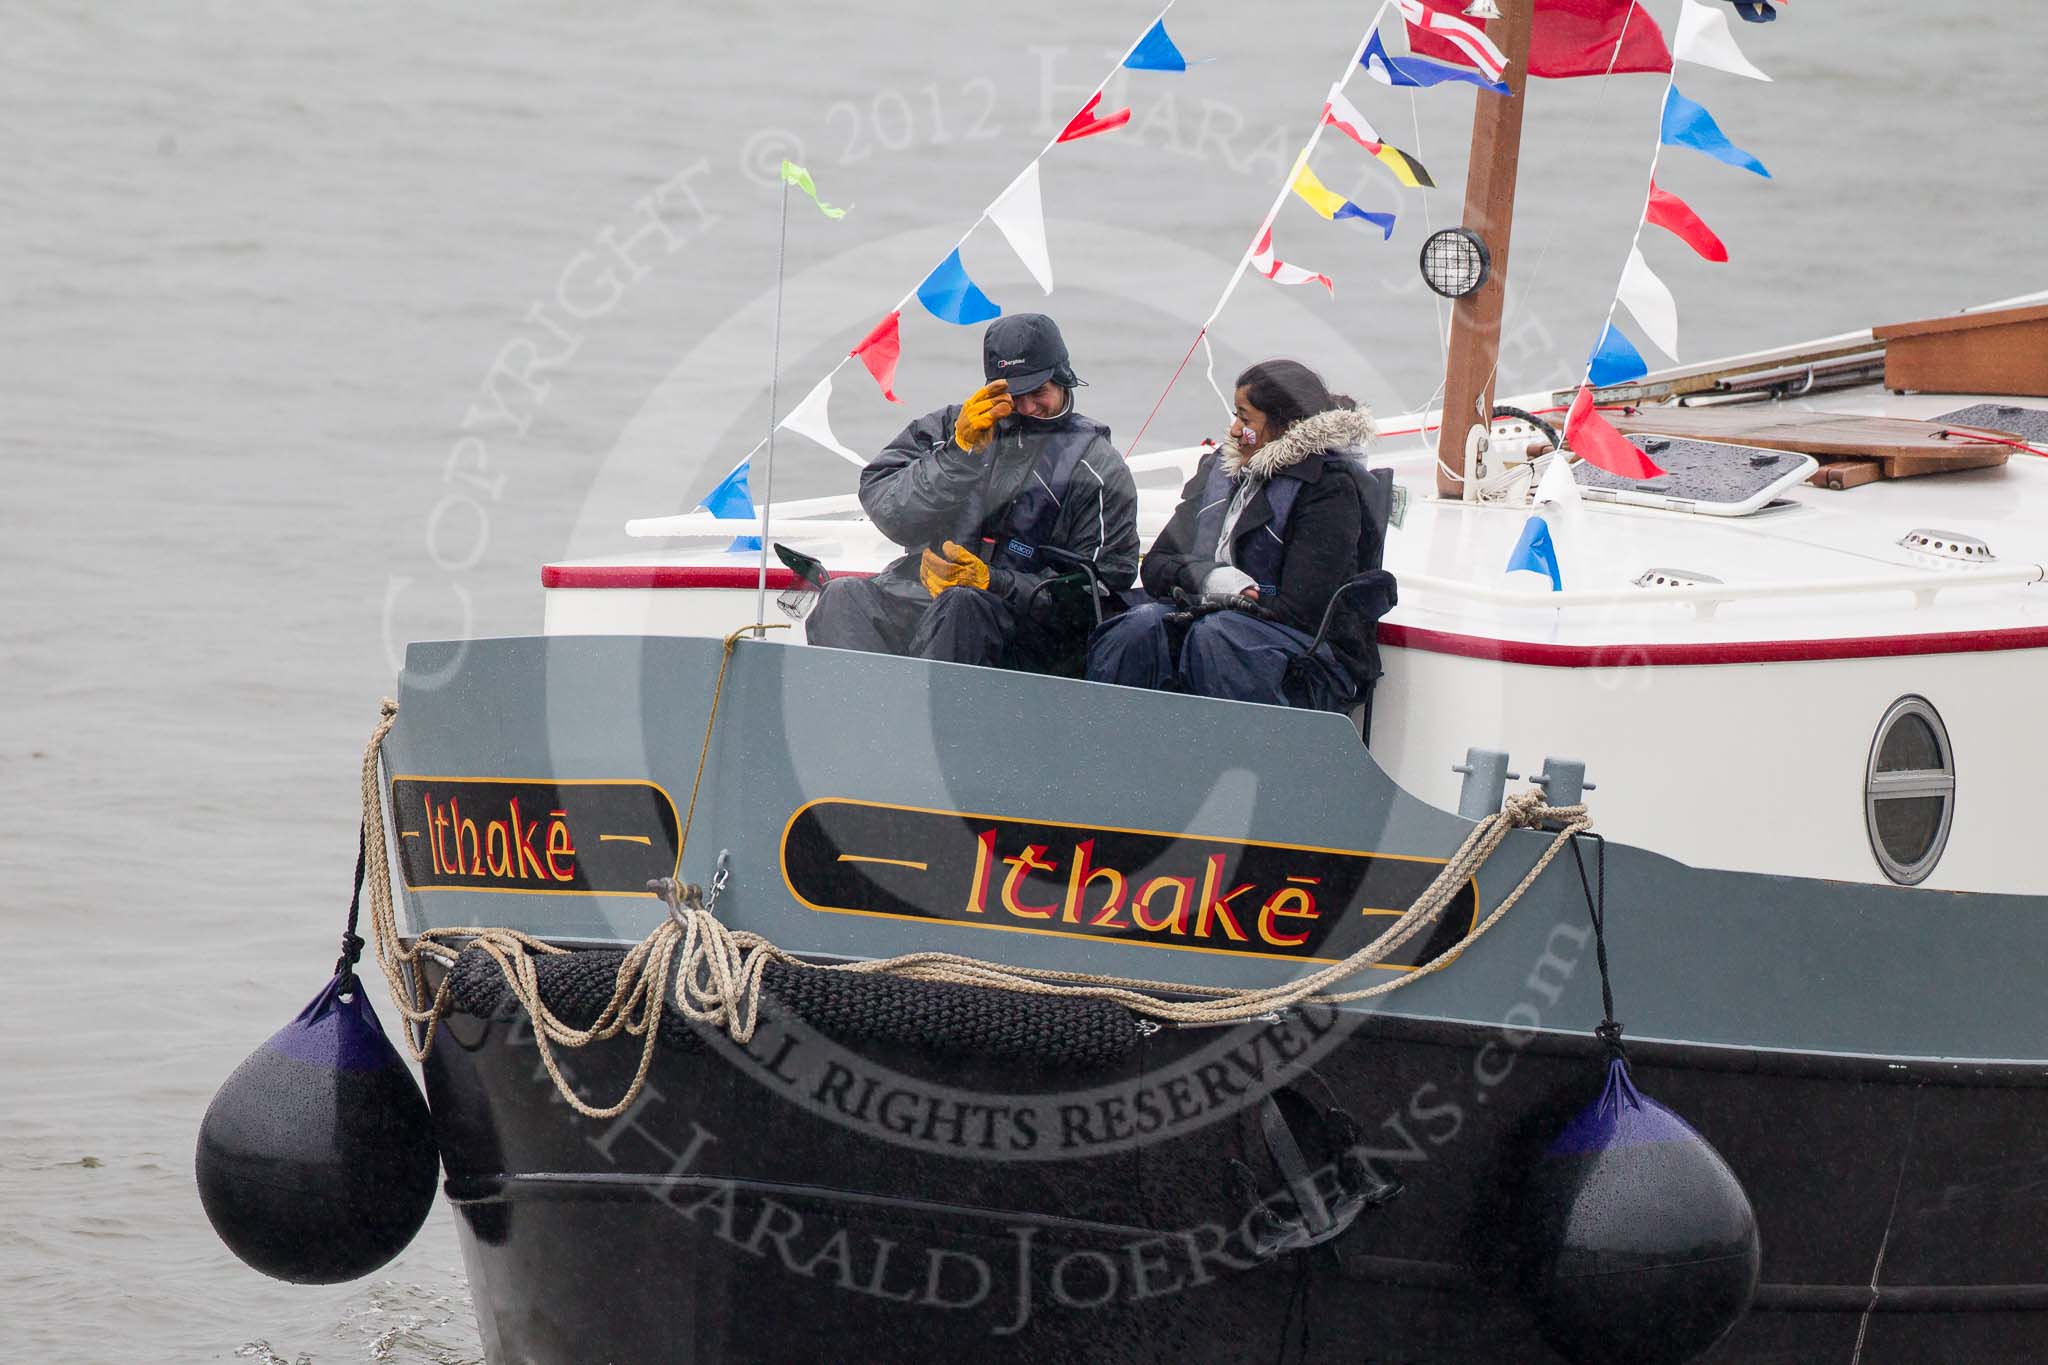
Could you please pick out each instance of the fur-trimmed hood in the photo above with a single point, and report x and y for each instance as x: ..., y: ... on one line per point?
x: 1332, y: 430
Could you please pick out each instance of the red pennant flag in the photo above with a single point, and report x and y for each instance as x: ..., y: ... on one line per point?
x: 1667, y: 210
x: 1569, y: 38
x: 879, y: 350
x: 1589, y: 435
x: 1085, y: 124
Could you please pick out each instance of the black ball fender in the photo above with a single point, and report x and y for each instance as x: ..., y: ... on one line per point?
x: 1644, y: 1244
x: 316, y: 1159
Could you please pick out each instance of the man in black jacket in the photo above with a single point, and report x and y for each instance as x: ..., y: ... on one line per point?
x: 977, y: 493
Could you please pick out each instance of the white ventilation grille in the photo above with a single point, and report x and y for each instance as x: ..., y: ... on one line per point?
x: 1673, y: 578
x: 1948, y: 545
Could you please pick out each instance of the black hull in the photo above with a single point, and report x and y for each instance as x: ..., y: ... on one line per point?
x: 721, y: 1221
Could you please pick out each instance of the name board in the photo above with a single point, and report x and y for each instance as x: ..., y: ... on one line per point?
x: 1162, y: 889
x: 495, y: 834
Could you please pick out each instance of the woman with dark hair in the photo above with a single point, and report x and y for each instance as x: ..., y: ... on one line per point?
x: 1270, y: 526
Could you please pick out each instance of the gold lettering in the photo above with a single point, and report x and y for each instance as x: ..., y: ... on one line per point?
x: 476, y: 843
x: 984, y: 855
x: 1183, y: 889
x: 498, y: 845
x: 560, y: 847
x: 522, y: 843
x: 1083, y: 876
x: 1031, y: 860
x: 1290, y: 902
x: 1212, y: 877
x: 433, y: 830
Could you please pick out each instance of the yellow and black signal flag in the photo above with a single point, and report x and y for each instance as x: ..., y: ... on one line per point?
x: 1406, y: 168
x: 1342, y: 115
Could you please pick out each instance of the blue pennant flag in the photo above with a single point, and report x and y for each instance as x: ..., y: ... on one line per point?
x: 1535, y: 552
x: 1156, y: 52
x: 1419, y: 71
x: 732, y: 498
x: 1690, y: 125
x: 1383, y: 221
x: 1616, y: 360
x: 950, y: 296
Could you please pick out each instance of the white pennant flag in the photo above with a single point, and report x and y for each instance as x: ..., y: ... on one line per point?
x: 1646, y: 296
x: 1021, y: 216
x: 811, y: 418
x: 1704, y: 40
x: 1341, y: 114
x: 1558, y: 502
x: 1273, y: 268
x: 1557, y: 484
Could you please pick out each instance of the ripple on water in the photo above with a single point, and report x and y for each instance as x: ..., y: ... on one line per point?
x: 392, y: 1323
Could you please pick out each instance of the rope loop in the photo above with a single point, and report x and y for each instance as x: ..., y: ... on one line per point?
x: 1609, y: 1033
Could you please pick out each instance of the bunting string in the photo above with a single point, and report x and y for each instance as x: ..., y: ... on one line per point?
x: 1527, y: 282
x: 1704, y: 40
x: 1261, y: 239
x: 1681, y: 122
x: 1087, y: 110
x: 1017, y: 212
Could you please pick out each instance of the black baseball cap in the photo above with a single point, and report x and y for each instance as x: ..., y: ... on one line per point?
x: 1024, y: 348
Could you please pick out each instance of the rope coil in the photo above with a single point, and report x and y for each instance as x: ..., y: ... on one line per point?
x: 712, y: 972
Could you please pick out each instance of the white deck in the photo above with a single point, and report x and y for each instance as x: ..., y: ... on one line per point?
x: 1728, y: 726
x: 1828, y: 567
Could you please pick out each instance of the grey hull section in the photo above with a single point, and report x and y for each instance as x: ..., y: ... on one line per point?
x: 1699, y: 956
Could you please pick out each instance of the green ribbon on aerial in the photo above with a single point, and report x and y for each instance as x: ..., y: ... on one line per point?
x: 793, y: 174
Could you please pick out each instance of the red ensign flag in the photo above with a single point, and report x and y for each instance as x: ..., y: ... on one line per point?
x: 1569, y: 38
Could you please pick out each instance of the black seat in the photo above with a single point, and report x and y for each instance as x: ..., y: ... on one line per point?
x: 1065, y: 611
x: 1369, y: 594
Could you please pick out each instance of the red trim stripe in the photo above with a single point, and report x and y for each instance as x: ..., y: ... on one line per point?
x: 669, y: 576
x: 1624, y: 655
x: 1535, y: 653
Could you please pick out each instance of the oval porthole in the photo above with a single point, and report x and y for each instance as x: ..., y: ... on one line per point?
x: 1909, y: 791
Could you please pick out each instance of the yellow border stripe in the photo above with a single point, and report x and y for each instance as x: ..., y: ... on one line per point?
x: 782, y: 861
x: 886, y: 862
x: 655, y: 787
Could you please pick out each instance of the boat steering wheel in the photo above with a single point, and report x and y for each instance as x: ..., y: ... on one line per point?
x: 1501, y: 410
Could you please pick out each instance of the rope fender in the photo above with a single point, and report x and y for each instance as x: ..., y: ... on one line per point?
x: 711, y: 973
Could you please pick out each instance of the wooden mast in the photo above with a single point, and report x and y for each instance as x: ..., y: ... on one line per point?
x: 1490, y: 212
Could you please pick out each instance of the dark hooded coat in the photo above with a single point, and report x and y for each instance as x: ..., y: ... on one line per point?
x: 923, y: 490
x: 1317, y: 550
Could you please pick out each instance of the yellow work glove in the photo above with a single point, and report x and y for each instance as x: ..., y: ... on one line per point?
x: 956, y: 568
x: 976, y: 424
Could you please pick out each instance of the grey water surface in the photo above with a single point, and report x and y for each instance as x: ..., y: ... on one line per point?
x: 323, y: 326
